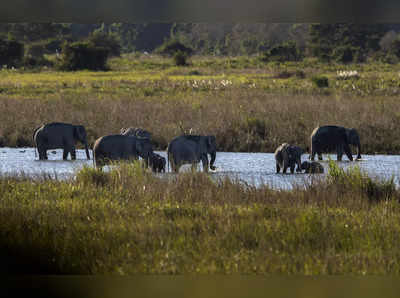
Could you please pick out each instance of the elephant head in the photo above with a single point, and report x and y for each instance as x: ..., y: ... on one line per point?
x: 144, y: 149
x: 212, y: 150
x: 80, y: 135
x: 354, y: 139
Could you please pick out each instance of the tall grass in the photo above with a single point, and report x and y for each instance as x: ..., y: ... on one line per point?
x: 128, y: 221
x: 249, y: 107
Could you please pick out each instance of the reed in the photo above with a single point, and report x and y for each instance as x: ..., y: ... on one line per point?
x: 127, y: 221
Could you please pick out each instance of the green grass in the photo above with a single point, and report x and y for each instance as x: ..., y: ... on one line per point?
x: 249, y: 105
x: 128, y: 221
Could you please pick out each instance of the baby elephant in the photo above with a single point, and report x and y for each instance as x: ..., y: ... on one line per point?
x: 157, y: 163
x: 287, y: 156
x: 312, y: 167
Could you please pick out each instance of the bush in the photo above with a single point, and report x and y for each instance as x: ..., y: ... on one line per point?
x: 107, y: 41
x: 344, y: 54
x: 180, y: 58
x: 83, y: 55
x: 11, y: 53
x: 357, y: 181
x: 35, y: 50
x: 320, y: 81
x: 33, y: 62
x: 171, y: 47
x: 287, y: 51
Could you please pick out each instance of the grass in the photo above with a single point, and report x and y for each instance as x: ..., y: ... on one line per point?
x: 247, y: 104
x: 128, y: 221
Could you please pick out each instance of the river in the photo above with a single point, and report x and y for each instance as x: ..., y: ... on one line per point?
x: 252, y: 168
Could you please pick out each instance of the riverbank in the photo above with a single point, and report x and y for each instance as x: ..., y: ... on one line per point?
x: 129, y: 221
x: 249, y: 105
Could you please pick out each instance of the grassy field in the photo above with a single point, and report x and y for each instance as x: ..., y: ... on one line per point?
x: 248, y: 104
x: 127, y: 221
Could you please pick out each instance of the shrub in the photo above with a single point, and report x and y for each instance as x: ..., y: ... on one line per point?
x: 33, y: 62
x: 180, y: 58
x: 35, y: 50
x: 320, y: 81
x: 11, y: 53
x: 171, y: 47
x: 83, y: 55
x: 107, y: 41
x: 287, y: 51
x: 357, y: 181
x: 344, y: 54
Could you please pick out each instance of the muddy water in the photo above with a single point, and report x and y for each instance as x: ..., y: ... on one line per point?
x: 252, y: 168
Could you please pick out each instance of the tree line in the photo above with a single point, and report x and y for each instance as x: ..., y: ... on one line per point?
x: 342, y: 42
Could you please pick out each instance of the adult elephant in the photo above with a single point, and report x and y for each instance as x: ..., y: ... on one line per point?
x: 121, y: 147
x: 135, y: 131
x: 59, y: 135
x: 333, y: 138
x: 191, y: 149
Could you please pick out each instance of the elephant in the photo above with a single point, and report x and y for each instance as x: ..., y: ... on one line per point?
x: 134, y: 131
x: 121, y: 147
x: 312, y: 167
x: 191, y: 149
x: 287, y: 156
x: 157, y: 163
x: 59, y: 135
x: 329, y: 138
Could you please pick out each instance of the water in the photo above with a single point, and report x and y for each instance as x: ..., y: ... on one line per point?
x: 251, y: 168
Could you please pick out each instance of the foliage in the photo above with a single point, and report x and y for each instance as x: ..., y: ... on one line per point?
x: 172, y: 47
x: 320, y: 81
x: 287, y: 51
x: 83, y: 55
x: 11, y: 53
x: 106, y: 41
x: 180, y: 58
x: 357, y: 181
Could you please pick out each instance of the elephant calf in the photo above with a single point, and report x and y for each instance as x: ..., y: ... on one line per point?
x: 312, y: 167
x: 287, y: 156
x: 157, y: 163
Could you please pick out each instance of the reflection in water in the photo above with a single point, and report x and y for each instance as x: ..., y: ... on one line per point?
x: 251, y: 168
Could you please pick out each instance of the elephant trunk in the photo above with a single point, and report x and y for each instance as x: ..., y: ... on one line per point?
x: 213, y: 156
x: 87, y: 151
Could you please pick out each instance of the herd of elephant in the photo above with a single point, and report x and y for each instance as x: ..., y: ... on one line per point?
x: 132, y: 143
x: 323, y: 139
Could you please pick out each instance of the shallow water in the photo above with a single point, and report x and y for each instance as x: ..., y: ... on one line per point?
x: 251, y: 168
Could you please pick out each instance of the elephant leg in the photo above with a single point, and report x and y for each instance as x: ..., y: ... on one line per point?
x: 292, y: 169
x: 285, y: 166
x: 312, y: 155
x: 42, y: 154
x: 278, y: 168
x: 339, y: 152
x: 347, y: 150
x: 204, y: 161
x: 319, y: 155
x: 65, y: 154
x: 73, y: 153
